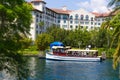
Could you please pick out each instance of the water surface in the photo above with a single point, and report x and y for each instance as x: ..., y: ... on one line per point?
x: 69, y: 70
x: 41, y: 69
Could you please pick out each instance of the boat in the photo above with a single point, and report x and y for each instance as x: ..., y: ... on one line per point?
x: 61, y: 53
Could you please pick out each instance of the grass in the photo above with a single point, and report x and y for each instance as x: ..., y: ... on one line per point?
x: 32, y: 50
x: 29, y: 52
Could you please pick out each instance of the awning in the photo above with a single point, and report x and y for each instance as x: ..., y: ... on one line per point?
x: 56, y: 44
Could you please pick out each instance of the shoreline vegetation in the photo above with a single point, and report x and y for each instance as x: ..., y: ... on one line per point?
x: 34, y: 52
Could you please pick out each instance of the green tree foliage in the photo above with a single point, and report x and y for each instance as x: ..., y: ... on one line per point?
x: 15, y: 19
x: 41, y: 24
x: 70, y: 37
x: 115, y: 23
x: 78, y: 36
x: 101, y: 38
x: 25, y: 43
x: 57, y: 33
x: 94, y: 36
x: 43, y: 41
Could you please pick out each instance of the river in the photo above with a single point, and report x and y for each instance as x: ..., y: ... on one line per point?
x: 41, y: 69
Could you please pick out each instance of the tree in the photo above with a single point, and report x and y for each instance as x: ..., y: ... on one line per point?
x: 106, y: 24
x: 115, y: 23
x: 15, y: 20
x: 57, y: 33
x: 41, y: 24
x: 43, y: 41
x: 25, y: 43
x: 115, y: 4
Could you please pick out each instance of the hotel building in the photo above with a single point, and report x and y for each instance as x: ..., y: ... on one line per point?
x: 67, y: 19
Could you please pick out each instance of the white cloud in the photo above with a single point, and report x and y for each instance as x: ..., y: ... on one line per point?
x: 94, y: 5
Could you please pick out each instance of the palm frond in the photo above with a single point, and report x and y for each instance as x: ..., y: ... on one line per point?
x: 116, y: 6
x: 116, y: 32
x: 116, y: 35
x: 116, y: 57
x: 111, y: 3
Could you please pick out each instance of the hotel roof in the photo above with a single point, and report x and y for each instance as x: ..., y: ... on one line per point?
x: 38, y: 1
x: 101, y: 14
x: 61, y: 11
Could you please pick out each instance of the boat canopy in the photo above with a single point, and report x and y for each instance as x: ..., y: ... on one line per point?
x: 56, y: 47
x: 56, y: 44
x: 82, y: 50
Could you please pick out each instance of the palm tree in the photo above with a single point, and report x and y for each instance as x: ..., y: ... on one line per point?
x: 106, y: 24
x: 116, y: 4
x: 115, y: 22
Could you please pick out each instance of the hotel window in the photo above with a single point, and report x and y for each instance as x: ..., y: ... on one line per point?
x: 76, y: 21
x: 71, y: 26
x: 59, y: 17
x: 64, y: 16
x: 87, y: 17
x: 58, y: 21
x: 36, y: 19
x: 76, y: 27
x: 91, y: 23
x: 37, y: 26
x: 71, y: 22
x: 81, y: 17
x: 71, y: 17
x: 64, y: 26
x: 103, y: 19
x: 98, y: 23
x: 91, y: 18
x: 64, y: 21
x: 40, y: 16
x: 37, y: 15
x: 81, y: 22
x: 98, y: 20
x: 76, y: 16
x: 86, y: 22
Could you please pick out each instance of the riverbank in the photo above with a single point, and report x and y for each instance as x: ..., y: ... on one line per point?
x: 41, y: 54
x: 32, y: 51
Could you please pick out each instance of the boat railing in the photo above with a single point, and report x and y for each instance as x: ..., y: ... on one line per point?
x: 83, y: 53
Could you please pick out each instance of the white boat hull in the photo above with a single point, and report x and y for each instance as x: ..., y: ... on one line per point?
x: 68, y: 58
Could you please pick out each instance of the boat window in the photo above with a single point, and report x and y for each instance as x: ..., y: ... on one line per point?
x: 62, y: 50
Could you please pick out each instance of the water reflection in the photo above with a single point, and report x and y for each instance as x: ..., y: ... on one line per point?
x: 41, y: 69
x: 82, y: 71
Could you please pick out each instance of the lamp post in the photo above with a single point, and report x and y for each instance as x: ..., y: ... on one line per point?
x: 89, y: 46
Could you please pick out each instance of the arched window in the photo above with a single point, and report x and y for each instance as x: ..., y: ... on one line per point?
x: 76, y: 16
x: 87, y: 17
x: 91, y: 18
x: 71, y: 17
x: 81, y: 17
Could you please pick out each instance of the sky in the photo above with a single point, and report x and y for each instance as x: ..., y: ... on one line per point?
x: 89, y: 5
